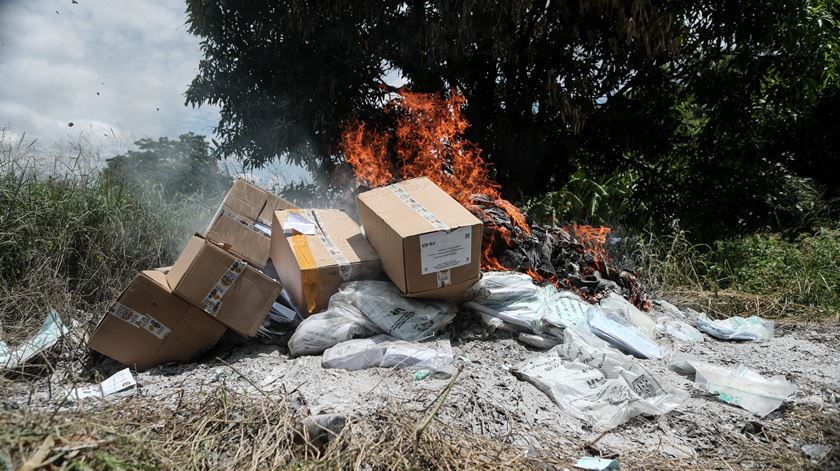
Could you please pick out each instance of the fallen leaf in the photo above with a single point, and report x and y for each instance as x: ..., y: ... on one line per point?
x: 37, y: 459
x: 78, y: 442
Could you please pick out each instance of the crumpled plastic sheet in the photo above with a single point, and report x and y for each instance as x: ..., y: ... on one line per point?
x: 365, y: 308
x: 52, y: 329
x: 514, y: 299
x: 678, y: 330
x: 388, y: 352
x: 737, y: 328
x: 741, y: 386
x: 398, y: 316
x: 615, y: 304
x: 318, y: 332
x: 596, y: 383
x: 623, y: 335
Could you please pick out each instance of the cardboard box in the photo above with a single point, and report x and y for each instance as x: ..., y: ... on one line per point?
x: 243, y: 221
x: 223, y: 285
x: 312, y: 267
x: 430, y: 245
x: 148, y: 325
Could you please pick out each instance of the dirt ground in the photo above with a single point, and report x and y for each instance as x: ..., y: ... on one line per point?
x: 488, y: 400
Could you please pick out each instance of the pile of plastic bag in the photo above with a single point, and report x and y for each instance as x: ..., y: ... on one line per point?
x: 370, y: 323
x: 511, y: 300
x: 596, y: 383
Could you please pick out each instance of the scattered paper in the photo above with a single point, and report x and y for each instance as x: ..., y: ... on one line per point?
x: 596, y: 383
x: 51, y: 330
x: 520, y: 305
x: 678, y: 330
x: 384, y: 351
x: 295, y: 223
x: 598, y: 464
x: 615, y: 303
x: 119, y: 381
x: 815, y: 451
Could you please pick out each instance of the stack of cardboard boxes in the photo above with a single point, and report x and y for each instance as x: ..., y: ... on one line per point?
x: 174, y: 314
x: 425, y: 241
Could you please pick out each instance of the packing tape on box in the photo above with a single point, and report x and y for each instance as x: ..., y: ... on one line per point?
x: 213, y: 301
x: 255, y: 226
x: 121, y: 311
x: 444, y: 278
x: 417, y: 207
x: 311, y: 278
x: 344, y: 268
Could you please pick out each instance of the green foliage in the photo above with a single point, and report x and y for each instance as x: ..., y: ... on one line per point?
x: 74, y: 241
x: 172, y: 168
x: 581, y: 199
x: 801, y: 272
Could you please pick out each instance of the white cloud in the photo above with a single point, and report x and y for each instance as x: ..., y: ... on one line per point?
x: 137, y: 55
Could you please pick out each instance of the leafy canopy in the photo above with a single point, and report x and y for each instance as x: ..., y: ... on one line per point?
x: 707, y: 110
x: 173, y: 168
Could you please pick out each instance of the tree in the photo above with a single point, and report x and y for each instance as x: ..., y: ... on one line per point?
x: 288, y: 75
x: 694, y: 99
x: 175, y: 168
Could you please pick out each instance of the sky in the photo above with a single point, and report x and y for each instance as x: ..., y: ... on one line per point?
x: 115, y: 69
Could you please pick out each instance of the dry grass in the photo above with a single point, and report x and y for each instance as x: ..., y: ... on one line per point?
x: 225, y: 430
x: 726, y: 303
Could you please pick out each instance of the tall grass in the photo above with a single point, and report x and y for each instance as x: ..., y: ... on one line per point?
x: 763, y: 273
x: 71, y: 239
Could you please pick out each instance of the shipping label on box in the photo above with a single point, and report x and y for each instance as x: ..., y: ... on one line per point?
x: 225, y: 287
x: 443, y: 250
x: 149, y: 325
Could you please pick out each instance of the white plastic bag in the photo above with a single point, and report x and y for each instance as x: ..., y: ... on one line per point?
x: 742, y: 386
x: 597, y: 384
x: 737, y: 328
x: 622, y: 335
x: 515, y: 299
x: 678, y: 330
x: 616, y: 304
x: 340, y: 322
x: 388, y: 352
x: 503, y: 286
x: 404, y: 318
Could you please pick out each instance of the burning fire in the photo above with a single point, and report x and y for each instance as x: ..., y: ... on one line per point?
x: 594, y: 240
x: 428, y: 140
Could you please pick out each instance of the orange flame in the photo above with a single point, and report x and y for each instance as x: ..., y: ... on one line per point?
x: 594, y: 240
x: 429, y: 141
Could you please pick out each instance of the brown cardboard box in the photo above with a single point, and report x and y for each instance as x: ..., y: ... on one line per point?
x: 243, y: 221
x: 148, y: 325
x: 226, y: 287
x: 312, y: 267
x: 429, y: 244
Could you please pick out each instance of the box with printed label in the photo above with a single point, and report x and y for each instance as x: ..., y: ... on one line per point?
x: 223, y: 285
x: 430, y: 245
x: 324, y: 248
x: 243, y: 221
x: 148, y: 325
